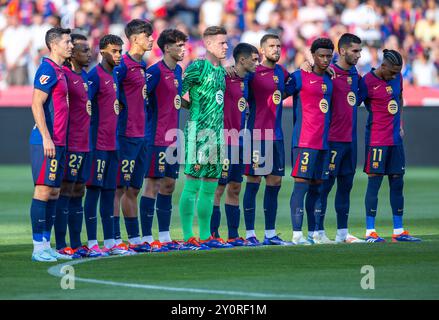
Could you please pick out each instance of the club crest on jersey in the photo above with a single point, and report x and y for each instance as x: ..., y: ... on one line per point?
x: 242, y: 86
x: 242, y: 103
x: 392, y: 107
x: 85, y: 86
x: 324, y: 105
x: 177, y: 102
x: 352, y: 99
x: 303, y: 168
x: 219, y: 97
x: 176, y: 83
x: 277, y: 97
x: 332, y: 166
x: 389, y: 89
x: 115, y: 87
x: 375, y: 164
x: 161, y: 168
x: 44, y: 79
x: 74, y: 172
x: 52, y: 176
x: 127, y: 176
x: 324, y: 88
x: 142, y: 72
x: 197, y: 167
x: 99, y: 177
x: 349, y: 80
x: 116, y: 107
x: 276, y: 79
x: 88, y: 107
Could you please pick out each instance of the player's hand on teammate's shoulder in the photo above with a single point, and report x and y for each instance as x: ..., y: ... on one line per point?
x: 231, y: 71
x: 49, y: 148
x: 306, y: 66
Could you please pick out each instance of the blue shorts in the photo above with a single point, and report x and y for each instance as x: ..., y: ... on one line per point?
x: 386, y: 160
x: 132, y: 162
x: 162, y: 162
x: 342, y: 158
x: 311, y: 164
x: 102, y: 168
x: 47, y: 171
x: 267, y: 158
x: 233, y: 167
x: 75, y: 168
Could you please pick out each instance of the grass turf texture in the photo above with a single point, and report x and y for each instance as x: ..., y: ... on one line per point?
x: 402, y: 270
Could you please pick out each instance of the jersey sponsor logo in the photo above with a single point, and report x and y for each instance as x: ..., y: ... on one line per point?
x: 242, y: 103
x: 324, y: 106
x: 144, y: 91
x: 352, y: 99
x: 177, y: 102
x: 276, y: 79
x: 324, y: 88
x: 219, y: 96
x: 392, y: 107
x: 389, y: 89
x: 277, y: 97
x: 349, y: 80
x: 88, y: 107
x: 116, y: 107
x: 44, y: 79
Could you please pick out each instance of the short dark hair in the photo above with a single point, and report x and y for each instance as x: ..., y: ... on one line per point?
x: 138, y: 26
x: 393, y: 57
x: 267, y: 37
x: 110, y: 39
x: 347, y: 39
x: 243, y: 50
x: 170, y: 36
x: 78, y: 36
x: 213, y: 31
x: 55, y: 34
x: 322, y: 43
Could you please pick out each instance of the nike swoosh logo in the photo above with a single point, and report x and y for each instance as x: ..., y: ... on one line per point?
x: 264, y: 73
x: 132, y: 69
x: 374, y: 88
x: 75, y: 82
x: 41, y: 220
x: 166, y: 78
x: 106, y: 82
x: 311, y: 82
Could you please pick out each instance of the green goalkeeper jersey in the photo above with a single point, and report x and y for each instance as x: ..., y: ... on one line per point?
x: 204, y: 130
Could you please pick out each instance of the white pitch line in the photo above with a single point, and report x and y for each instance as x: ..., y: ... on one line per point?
x: 56, y: 271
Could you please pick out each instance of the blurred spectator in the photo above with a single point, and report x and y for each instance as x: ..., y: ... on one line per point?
x: 16, y: 42
x: 424, y: 71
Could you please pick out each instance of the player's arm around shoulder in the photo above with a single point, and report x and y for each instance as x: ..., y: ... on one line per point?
x: 293, y: 83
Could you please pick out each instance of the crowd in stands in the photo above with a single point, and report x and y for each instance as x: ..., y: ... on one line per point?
x: 409, y: 26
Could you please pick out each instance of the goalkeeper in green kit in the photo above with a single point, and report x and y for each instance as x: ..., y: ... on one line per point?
x: 204, y: 79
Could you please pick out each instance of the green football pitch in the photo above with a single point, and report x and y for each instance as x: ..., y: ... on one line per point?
x: 400, y: 270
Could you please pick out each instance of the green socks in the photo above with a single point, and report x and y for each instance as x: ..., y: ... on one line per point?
x: 187, y: 206
x: 204, y: 206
